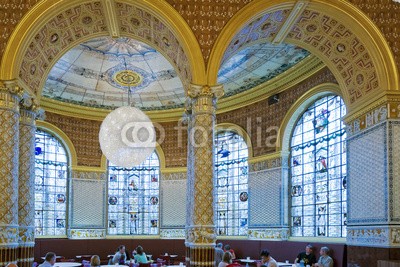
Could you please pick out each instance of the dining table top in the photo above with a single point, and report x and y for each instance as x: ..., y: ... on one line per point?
x: 67, y: 264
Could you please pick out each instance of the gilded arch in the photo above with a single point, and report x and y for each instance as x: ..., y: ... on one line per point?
x: 64, y: 139
x: 337, y: 32
x: 54, y: 26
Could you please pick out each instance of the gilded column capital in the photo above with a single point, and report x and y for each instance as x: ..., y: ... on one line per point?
x: 11, y: 87
x: 215, y: 91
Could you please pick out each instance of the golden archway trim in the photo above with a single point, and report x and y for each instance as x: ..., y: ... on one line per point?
x: 64, y: 139
x: 354, y: 20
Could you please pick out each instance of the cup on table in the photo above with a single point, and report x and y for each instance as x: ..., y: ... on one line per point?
x: 181, y: 264
x: 166, y: 254
x: 307, y: 265
x: 248, y: 258
x: 287, y: 261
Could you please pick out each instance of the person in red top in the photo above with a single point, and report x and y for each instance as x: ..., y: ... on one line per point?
x: 228, y: 248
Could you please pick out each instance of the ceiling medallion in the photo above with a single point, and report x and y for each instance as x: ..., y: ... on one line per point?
x: 128, y: 78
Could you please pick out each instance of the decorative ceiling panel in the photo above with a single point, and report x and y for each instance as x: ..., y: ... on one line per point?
x: 207, y: 18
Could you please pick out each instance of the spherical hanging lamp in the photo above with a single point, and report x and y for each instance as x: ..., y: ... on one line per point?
x: 127, y: 137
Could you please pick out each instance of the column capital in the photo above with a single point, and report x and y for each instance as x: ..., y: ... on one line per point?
x: 215, y: 91
x: 11, y: 87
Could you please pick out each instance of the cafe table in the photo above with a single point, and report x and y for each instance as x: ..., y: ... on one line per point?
x: 247, y: 261
x: 284, y: 264
x: 67, y: 264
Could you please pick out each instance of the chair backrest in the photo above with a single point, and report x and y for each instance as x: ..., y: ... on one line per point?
x: 144, y: 264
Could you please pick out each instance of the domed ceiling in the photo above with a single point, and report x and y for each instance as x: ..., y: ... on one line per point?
x: 100, y: 72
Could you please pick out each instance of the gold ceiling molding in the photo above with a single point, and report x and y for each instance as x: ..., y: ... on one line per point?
x: 111, y: 17
x: 290, y: 21
x: 89, y: 113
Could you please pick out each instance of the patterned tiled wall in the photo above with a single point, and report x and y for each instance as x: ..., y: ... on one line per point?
x: 367, y: 176
x: 88, y: 203
x: 84, y: 135
x: 394, y: 171
x: 265, y: 198
x: 173, y: 200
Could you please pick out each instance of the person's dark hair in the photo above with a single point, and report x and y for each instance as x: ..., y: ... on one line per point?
x: 227, y: 257
x: 49, y: 256
x: 264, y: 252
x: 139, y: 250
x: 227, y: 247
x: 120, y: 247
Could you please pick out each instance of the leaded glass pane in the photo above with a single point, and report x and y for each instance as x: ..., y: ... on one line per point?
x: 51, y: 169
x: 318, y: 170
x: 133, y: 198
x: 231, y: 187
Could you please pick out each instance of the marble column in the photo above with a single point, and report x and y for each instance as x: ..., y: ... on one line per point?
x: 200, y: 227
x: 26, y: 182
x: 10, y: 95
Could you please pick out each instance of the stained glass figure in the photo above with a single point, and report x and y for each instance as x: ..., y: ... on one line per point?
x: 231, y: 168
x: 318, y: 170
x: 51, y: 165
x: 133, y: 202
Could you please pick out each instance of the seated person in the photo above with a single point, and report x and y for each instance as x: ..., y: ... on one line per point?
x: 228, y: 248
x: 219, y: 254
x: 226, y: 259
x: 140, y: 256
x: 120, y: 256
x: 307, y: 256
x: 95, y: 260
x: 49, y: 260
x: 267, y: 260
x: 324, y: 260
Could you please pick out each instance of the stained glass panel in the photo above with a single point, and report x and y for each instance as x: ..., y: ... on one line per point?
x: 133, y: 198
x: 51, y: 174
x: 318, y: 170
x: 231, y: 184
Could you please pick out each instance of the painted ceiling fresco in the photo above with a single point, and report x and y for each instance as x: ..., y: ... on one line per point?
x: 101, y: 72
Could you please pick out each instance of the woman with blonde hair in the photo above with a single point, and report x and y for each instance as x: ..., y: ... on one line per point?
x: 95, y: 260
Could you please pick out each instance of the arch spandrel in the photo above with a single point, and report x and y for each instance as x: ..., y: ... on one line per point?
x: 335, y: 31
x: 34, y: 49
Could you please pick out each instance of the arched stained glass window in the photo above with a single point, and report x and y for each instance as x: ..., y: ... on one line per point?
x: 318, y: 170
x: 133, y: 198
x: 51, y: 177
x: 231, y: 193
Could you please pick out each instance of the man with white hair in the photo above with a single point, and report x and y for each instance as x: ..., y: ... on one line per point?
x: 324, y: 260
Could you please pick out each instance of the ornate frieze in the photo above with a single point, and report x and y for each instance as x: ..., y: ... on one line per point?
x: 86, y: 233
x: 269, y: 233
x: 381, y: 236
x: 172, y: 233
x: 201, y: 235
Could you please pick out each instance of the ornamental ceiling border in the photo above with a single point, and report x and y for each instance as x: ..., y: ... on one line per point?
x: 338, y: 33
x: 37, y: 44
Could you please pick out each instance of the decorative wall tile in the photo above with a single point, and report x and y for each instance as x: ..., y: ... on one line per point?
x: 172, y: 233
x: 269, y: 233
x: 265, y: 185
x: 86, y: 233
x: 173, y: 200
x: 394, y: 170
x: 367, y: 177
x: 88, y: 203
x: 368, y: 236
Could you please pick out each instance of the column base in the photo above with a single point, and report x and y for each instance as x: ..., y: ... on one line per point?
x: 25, y: 256
x: 200, y: 256
x: 8, y: 255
